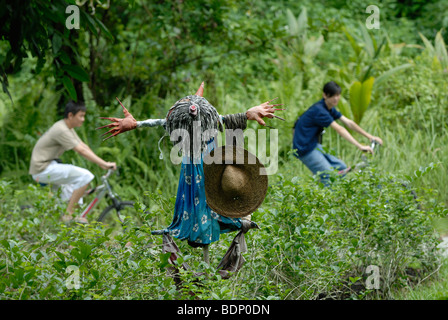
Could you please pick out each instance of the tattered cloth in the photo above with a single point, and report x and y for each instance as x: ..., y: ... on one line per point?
x: 232, y: 261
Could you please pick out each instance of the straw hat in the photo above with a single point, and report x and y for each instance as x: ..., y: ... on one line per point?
x: 234, y: 186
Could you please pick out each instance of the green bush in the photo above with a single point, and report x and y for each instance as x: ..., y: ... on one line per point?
x: 314, y: 242
x: 320, y: 241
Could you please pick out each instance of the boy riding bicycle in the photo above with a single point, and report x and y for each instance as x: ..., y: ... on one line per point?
x: 309, y: 126
x: 45, y: 167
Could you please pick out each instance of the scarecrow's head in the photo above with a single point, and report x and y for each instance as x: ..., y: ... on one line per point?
x: 194, y: 111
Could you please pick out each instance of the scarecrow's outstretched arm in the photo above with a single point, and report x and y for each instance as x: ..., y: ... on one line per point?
x: 151, y: 123
x: 128, y: 123
x: 235, y: 121
x: 264, y: 110
x: 257, y: 113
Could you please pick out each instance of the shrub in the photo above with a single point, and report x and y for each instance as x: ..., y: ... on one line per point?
x: 320, y: 241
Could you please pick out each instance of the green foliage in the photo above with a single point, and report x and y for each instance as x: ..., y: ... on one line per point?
x: 360, y: 96
x: 27, y: 27
x: 314, y: 243
x: 323, y: 238
x: 438, y: 51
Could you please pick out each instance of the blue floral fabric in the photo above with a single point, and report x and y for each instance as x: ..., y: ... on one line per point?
x: 193, y: 219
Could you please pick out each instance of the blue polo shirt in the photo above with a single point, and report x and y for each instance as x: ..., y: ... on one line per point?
x: 310, y: 124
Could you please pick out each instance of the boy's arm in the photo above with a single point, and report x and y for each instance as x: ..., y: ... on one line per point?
x: 347, y: 136
x: 352, y: 125
x: 85, y: 151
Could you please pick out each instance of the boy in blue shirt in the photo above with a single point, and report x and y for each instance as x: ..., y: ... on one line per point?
x: 309, y: 126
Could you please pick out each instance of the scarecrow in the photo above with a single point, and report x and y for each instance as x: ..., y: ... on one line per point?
x: 216, y: 193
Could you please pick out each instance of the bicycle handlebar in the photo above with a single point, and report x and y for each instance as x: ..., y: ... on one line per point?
x: 109, y: 172
x: 374, y: 144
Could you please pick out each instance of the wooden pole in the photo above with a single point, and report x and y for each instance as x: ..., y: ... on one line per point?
x: 205, y: 252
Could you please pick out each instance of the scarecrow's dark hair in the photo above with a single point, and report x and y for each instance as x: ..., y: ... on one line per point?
x: 332, y: 88
x: 178, y: 117
x: 74, y: 108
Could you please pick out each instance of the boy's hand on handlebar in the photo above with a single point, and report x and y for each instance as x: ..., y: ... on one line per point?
x: 377, y: 139
x: 110, y: 165
x: 366, y: 149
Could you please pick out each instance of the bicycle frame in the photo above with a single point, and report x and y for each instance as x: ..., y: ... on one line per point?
x: 101, y: 191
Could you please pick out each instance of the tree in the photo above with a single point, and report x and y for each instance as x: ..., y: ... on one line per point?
x: 38, y: 28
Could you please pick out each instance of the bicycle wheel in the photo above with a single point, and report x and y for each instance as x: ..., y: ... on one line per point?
x: 122, y: 215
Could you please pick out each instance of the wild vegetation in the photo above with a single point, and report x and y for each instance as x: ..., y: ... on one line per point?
x: 314, y: 243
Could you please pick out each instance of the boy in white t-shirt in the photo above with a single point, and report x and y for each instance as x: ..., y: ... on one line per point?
x: 44, y: 165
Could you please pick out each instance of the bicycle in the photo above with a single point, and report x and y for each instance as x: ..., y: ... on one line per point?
x: 124, y: 209
x: 364, y: 161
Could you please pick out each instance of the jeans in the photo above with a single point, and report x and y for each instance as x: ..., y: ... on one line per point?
x: 318, y: 161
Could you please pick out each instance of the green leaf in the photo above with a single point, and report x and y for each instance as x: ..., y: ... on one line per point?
x: 352, y: 41
x: 354, y: 279
x: 70, y: 88
x: 369, y: 44
x: 64, y: 57
x: 302, y: 22
x: 292, y: 23
x: 366, y: 94
x: 390, y: 72
x: 355, y: 99
x: 76, y: 72
x: 108, y: 232
x: 440, y: 50
x: 95, y: 273
x: 427, y: 43
x: 344, y: 108
x: 104, y: 28
x: 164, y: 260
x: 360, y: 96
x: 60, y: 255
x: 57, y: 43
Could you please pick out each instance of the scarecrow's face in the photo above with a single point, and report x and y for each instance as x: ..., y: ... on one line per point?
x: 184, y: 106
x: 196, y: 118
x: 189, y: 109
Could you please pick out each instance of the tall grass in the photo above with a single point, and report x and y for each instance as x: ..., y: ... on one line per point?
x: 435, y: 288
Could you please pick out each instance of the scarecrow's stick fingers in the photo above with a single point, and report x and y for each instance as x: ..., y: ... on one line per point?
x: 125, y: 111
x: 113, y: 135
x: 279, y: 118
x: 110, y: 118
x: 119, y: 102
x: 275, y: 105
x: 113, y: 130
x: 110, y: 125
x: 271, y: 100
